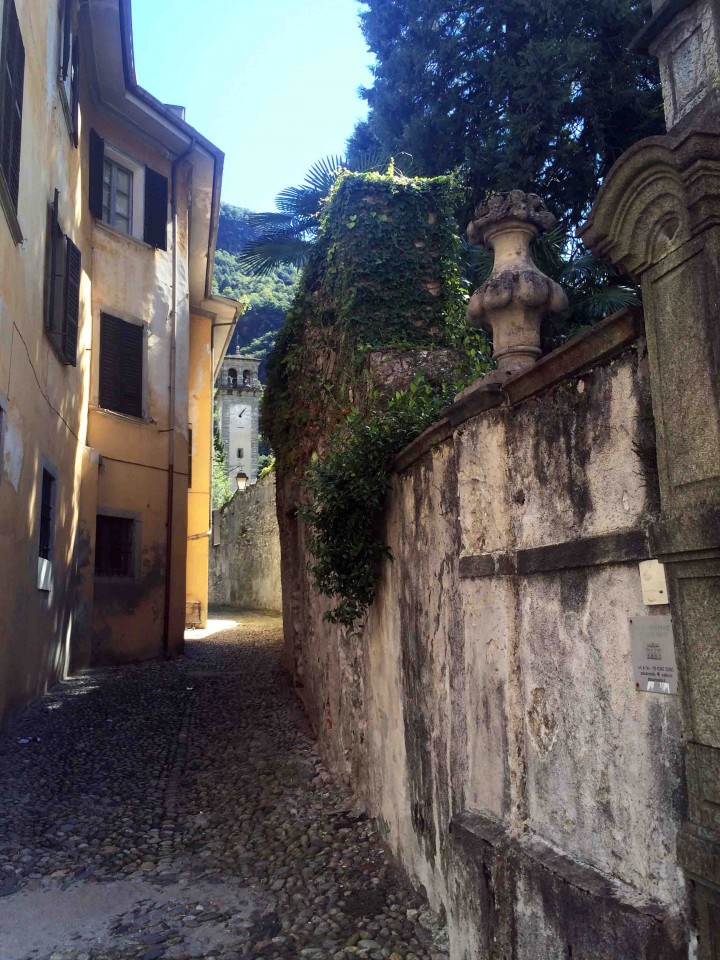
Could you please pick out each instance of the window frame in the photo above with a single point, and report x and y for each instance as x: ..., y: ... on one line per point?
x: 135, y: 562
x: 9, y: 201
x: 68, y: 74
x: 137, y: 193
x: 46, y: 563
x: 3, y: 429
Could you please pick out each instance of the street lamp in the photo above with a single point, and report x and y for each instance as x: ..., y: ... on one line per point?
x: 242, y: 481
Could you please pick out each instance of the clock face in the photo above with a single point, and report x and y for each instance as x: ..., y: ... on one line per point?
x: 240, y: 415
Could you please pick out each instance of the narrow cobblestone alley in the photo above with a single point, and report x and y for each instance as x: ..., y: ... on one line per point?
x: 180, y: 810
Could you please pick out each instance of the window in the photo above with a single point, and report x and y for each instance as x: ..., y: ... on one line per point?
x: 127, y: 195
x: 62, y: 288
x: 232, y: 377
x: 240, y: 453
x: 69, y: 67
x: 117, y: 195
x: 46, y: 542
x: 12, y: 78
x: 190, y: 454
x: 247, y: 379
x: 121, y: 365
x: 114, y: 546
x: 2, y: 439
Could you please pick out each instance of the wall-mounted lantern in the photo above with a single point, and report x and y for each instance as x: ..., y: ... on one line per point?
x: 242, y: 481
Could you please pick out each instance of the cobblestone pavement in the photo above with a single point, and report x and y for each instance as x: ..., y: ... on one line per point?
x: 180, y: 810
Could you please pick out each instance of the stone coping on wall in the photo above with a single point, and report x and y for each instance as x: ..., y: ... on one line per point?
x: 624, y: 546
x: 480, y: 833
x: 600, y: 343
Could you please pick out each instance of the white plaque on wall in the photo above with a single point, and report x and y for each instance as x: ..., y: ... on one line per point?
x: 653, y: 649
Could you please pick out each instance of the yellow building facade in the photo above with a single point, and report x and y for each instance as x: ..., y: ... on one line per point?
x: 110, y: 339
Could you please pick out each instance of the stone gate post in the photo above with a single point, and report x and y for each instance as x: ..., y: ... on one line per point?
x: 657, y: 217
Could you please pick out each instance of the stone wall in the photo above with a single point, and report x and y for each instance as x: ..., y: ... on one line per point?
x: 245, y: 557
x: 486, y: 712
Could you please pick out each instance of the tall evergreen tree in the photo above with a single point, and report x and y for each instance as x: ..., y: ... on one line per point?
x: 536, y: 94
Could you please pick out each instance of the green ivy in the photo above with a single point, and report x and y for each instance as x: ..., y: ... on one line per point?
x: 346, y: 493
x: 384, y: 276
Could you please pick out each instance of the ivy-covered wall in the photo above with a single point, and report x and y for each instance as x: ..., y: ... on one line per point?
x: 381, y: 298
x: 374, y: 347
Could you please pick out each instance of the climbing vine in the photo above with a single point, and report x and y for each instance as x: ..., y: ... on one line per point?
x: 382, y: 293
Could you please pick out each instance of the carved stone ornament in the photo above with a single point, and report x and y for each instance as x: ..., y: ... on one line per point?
x: 518, y: 296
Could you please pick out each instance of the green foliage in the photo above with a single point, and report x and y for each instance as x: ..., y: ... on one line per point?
x: 267, y: 297
x: 287, y: 235
x: 383, y: 280
x: 266, y: 464
x: 384, y: 275
x: 221, y: 490
x: 537, y: 94
x: 347, y: 487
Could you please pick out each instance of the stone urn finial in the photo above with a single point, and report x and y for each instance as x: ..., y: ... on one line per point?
x: 517, y: 296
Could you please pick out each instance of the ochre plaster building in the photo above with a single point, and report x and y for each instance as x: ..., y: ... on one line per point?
x: 110, y: 341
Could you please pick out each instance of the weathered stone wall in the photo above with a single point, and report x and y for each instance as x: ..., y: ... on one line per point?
x: 486, y: 712
x: 245, y: 562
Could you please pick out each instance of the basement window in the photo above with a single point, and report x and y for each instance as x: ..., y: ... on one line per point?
x: 114, y: 546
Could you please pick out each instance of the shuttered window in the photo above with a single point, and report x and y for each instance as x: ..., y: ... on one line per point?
x: 62, y: 285
x: 113, y: 185
x: 12, y: 76
x: 122, y: 346
x: 156, y: 209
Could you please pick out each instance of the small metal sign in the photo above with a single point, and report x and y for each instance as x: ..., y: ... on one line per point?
x: 653, y: 649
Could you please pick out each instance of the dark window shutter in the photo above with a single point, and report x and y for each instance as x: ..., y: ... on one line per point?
x: 121, y: 365
x: 97, y: 158
x: 66, y: 6
x: 75, y: 106
x: 73, y: 273
x: 53, y: 230
x: 12, y: 79
x: 156, y: 212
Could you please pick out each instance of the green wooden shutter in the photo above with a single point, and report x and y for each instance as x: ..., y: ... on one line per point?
x: 12, y: 61
x: 156, y: 209
x: 53, y: 230
x: 73, y: 275
x: 122, y: 346
x: 97, y: 159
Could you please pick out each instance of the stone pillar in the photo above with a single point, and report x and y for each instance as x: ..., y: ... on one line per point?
x: 517, y: 296
x: 657, y: 218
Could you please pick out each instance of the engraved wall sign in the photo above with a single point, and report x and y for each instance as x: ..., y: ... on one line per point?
x: 653, y: 649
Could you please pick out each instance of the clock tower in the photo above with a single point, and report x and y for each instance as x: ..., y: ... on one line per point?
x: 238, y: 401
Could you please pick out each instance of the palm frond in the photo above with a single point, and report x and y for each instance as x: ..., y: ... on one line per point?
x: 603, y: 301
x: 265, y: 254
x: 323, y: 173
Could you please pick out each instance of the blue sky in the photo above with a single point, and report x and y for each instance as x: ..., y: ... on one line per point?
x: 272, y: 82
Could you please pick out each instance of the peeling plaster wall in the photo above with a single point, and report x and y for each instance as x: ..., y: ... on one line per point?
x: 245, y: 560
x: 44, y: 402
x: 490, y: 720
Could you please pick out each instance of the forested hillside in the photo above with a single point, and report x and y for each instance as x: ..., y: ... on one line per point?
x: 268, y: 298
